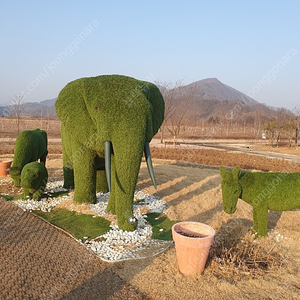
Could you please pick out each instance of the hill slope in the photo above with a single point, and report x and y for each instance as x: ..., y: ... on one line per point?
x: 212, y: 88
x: 210, y: 99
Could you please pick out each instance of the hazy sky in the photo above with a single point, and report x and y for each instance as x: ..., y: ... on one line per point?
x: 252, y: 46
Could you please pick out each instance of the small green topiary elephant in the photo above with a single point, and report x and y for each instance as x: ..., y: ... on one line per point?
x: 31, y: 145
x: 107, y: 123
x: 34, y: 177
x: 263, y: 191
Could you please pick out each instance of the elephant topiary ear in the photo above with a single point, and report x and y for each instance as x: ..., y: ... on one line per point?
x: 154, y: 96
x: 222, y: 171
x: 236, y: 173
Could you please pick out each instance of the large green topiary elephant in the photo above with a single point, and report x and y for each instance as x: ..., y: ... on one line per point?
x: 108, y: 121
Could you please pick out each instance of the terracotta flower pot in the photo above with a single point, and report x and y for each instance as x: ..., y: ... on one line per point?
x: 192, y: 242
x: 4, y: 165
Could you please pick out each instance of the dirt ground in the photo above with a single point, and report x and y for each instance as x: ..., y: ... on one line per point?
x: 189, y: 181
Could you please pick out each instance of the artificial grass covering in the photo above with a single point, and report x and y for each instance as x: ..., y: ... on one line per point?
x: 20, y: 196
x: 83, y: 226
x: 11, y: 198
x: 158, y: 222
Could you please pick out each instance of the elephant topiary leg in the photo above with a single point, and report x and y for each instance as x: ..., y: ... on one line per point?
x: 101, y: 184
x: 101, y: 181
x: 43, y: 158
x: 37, y: 195
x: 68, y: 178
x: 255, y: 220
x: 85, y: 178
x: 26, y: 193
x: 125, y: 170
x: 69, y: 157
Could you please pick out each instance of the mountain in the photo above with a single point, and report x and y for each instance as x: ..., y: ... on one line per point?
x: 42, y: 109
x: 48, y: 103
x: 212, y: 88
x: 208, y: 98
x: 211, y: 100
x: 4, y: 111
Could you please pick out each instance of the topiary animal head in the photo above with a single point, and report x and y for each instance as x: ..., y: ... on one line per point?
x: 34, y: 176
x: 231, y: 189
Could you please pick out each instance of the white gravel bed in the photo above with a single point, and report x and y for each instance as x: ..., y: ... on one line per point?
x: 119, y: 245
x: 141, y: 199
x: 45, y: 204
x: 116, y: 244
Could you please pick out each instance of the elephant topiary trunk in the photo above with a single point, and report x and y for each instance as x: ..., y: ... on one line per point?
x: 31, y: 145
x: 263, y: 191
x: 107, y: 123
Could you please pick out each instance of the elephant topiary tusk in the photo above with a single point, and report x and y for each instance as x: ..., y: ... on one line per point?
x: 107, y: 157
x: 149, y: 162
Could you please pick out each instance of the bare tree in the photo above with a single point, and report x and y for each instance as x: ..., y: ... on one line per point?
x: 285, y: 123
x: 289, y: 128
x: 168, y: 91
x: 271, y: 128
x: 177, y: 100
x: 258, y: 122
x: 16, y: 107
x: 296, y: 111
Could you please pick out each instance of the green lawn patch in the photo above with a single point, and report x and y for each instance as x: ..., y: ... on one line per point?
x: 161, y: 226
x: 79, y: 225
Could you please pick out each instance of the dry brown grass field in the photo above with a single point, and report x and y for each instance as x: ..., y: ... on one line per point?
x: 240, y: 266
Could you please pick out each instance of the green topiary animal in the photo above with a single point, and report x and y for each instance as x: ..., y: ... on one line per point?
x: 31, y: 145
x: 263, y: 191
x: 34, y: 177
x: 108, y: 120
